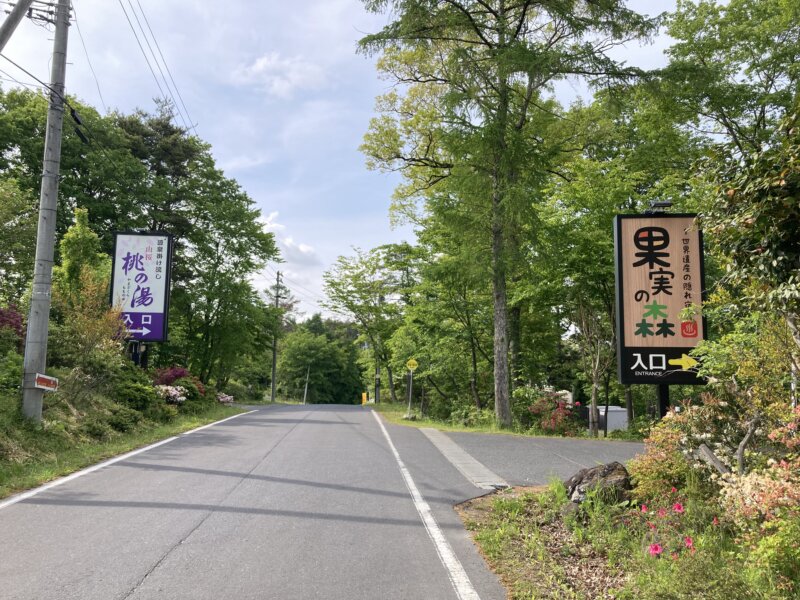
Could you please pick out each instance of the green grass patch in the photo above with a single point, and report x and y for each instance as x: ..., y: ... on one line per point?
x: 675, y: 551
x: 396, y: 413
x: 31, y: 455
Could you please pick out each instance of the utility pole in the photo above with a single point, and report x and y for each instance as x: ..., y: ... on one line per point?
x: 275, y: 339
x: 12, y: 20
x: 305, y: 391
x: 39, y: 317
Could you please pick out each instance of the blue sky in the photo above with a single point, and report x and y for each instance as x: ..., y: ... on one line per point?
x: 279, y: 92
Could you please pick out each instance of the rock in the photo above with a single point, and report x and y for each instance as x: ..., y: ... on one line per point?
x: 612, y: 477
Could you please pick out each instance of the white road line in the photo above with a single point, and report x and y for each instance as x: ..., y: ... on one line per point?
x: 455, y: 570
x: 475, y: 472
x: 55, y: 483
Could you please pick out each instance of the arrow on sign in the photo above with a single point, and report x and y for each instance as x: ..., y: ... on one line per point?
x: 685, y: 362
x: 144, y: 330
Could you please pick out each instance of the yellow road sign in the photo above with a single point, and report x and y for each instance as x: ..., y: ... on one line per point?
x: 412, y: 364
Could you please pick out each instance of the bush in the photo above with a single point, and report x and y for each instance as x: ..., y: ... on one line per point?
x: 170, y: 375
x: 137, y: 396
x: 131, y: 387
x: 196, y: 401
x: 10, y: 371
x: 663, y: 465
x: 124, y: 419
x: 242, y: 393
x: 550, y: 413
x: 471, y: 416
x: 162, y: 412
x: 97, y: 428
x: 11, y: 330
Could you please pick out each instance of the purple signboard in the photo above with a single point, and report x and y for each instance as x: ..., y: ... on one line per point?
x: 140, y: 283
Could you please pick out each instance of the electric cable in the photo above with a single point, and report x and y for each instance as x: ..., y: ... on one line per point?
x: 89, y: 61
x: 169, y: 72
x: 158, y: 65
x: 147, y: 60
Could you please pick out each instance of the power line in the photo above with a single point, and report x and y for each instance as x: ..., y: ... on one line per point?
x: 311, y: 292
x: 175, y: 85
x: 147, y: 60
x: 89, y: 61
x: 158, y: 64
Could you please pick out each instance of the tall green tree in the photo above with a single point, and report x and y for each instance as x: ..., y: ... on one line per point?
x: 483, y: 70
x: 18, y: 219
x: 369, y: 288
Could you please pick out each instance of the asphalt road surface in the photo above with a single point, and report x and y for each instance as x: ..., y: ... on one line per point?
x: 288, y: 502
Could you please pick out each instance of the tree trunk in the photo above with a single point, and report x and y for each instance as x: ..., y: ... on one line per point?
x: 391, y: 383
x: 473, y: 381
x: 515, y: 341
x: 502, y: 401
x: 629, y: 404
x: 594, y: 414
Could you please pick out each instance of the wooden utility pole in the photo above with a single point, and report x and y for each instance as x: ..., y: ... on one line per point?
x: 39, y: 316
x: 275, y: 339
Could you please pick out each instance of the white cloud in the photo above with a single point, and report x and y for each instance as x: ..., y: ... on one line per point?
x: 298, y: 254
x: 280, y: 76
x: 270, y: 223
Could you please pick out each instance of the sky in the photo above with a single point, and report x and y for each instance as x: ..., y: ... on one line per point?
x: 278, y: 90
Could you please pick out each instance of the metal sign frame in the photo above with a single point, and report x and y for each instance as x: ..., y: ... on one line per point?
x: 651, y: 364
x: 163, y: 308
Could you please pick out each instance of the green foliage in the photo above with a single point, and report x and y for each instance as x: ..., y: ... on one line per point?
x: 326, y: 360
x: 10, y: 371
x: 662, y: 466
x: 549, y: 412
x: 124, y: 419
x: 18, y: 218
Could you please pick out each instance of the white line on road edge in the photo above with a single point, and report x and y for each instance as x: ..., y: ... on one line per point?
x: 55, y: 483
x: 455, y: 570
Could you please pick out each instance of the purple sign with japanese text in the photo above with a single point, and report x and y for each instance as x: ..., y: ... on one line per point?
x: 140, y: 283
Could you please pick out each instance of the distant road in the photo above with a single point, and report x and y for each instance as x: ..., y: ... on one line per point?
x: 288, y: 502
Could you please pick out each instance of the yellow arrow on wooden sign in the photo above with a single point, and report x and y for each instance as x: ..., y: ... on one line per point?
x: 685, y: 362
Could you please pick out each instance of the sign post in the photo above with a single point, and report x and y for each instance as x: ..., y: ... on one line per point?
x: 140, y: 284
x: 660, y: 272
x: 412, y: 366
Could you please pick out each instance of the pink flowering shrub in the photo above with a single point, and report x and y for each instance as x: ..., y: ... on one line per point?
x: 666, y: 526
x: 224, y: 398
x: 551, y: 414
x: 172, y: 394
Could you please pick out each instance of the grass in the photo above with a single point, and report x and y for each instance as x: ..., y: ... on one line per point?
x: 602, y: 550
x: 33, y: 456
x: 394, y: 413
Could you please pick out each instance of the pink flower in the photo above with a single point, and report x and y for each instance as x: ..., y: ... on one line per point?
x: 644, y: 508
x: 655, y: 549
x: 673, y: 490
x: 678, y: 507
x: 688, y: 542
x: 577, y: 404
x: 715, y: 521
x: 662, y: 512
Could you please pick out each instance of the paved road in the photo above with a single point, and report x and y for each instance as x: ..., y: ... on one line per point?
x: 284, y: 503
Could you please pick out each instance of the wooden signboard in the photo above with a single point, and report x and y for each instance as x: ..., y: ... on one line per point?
x: 660, y: 272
